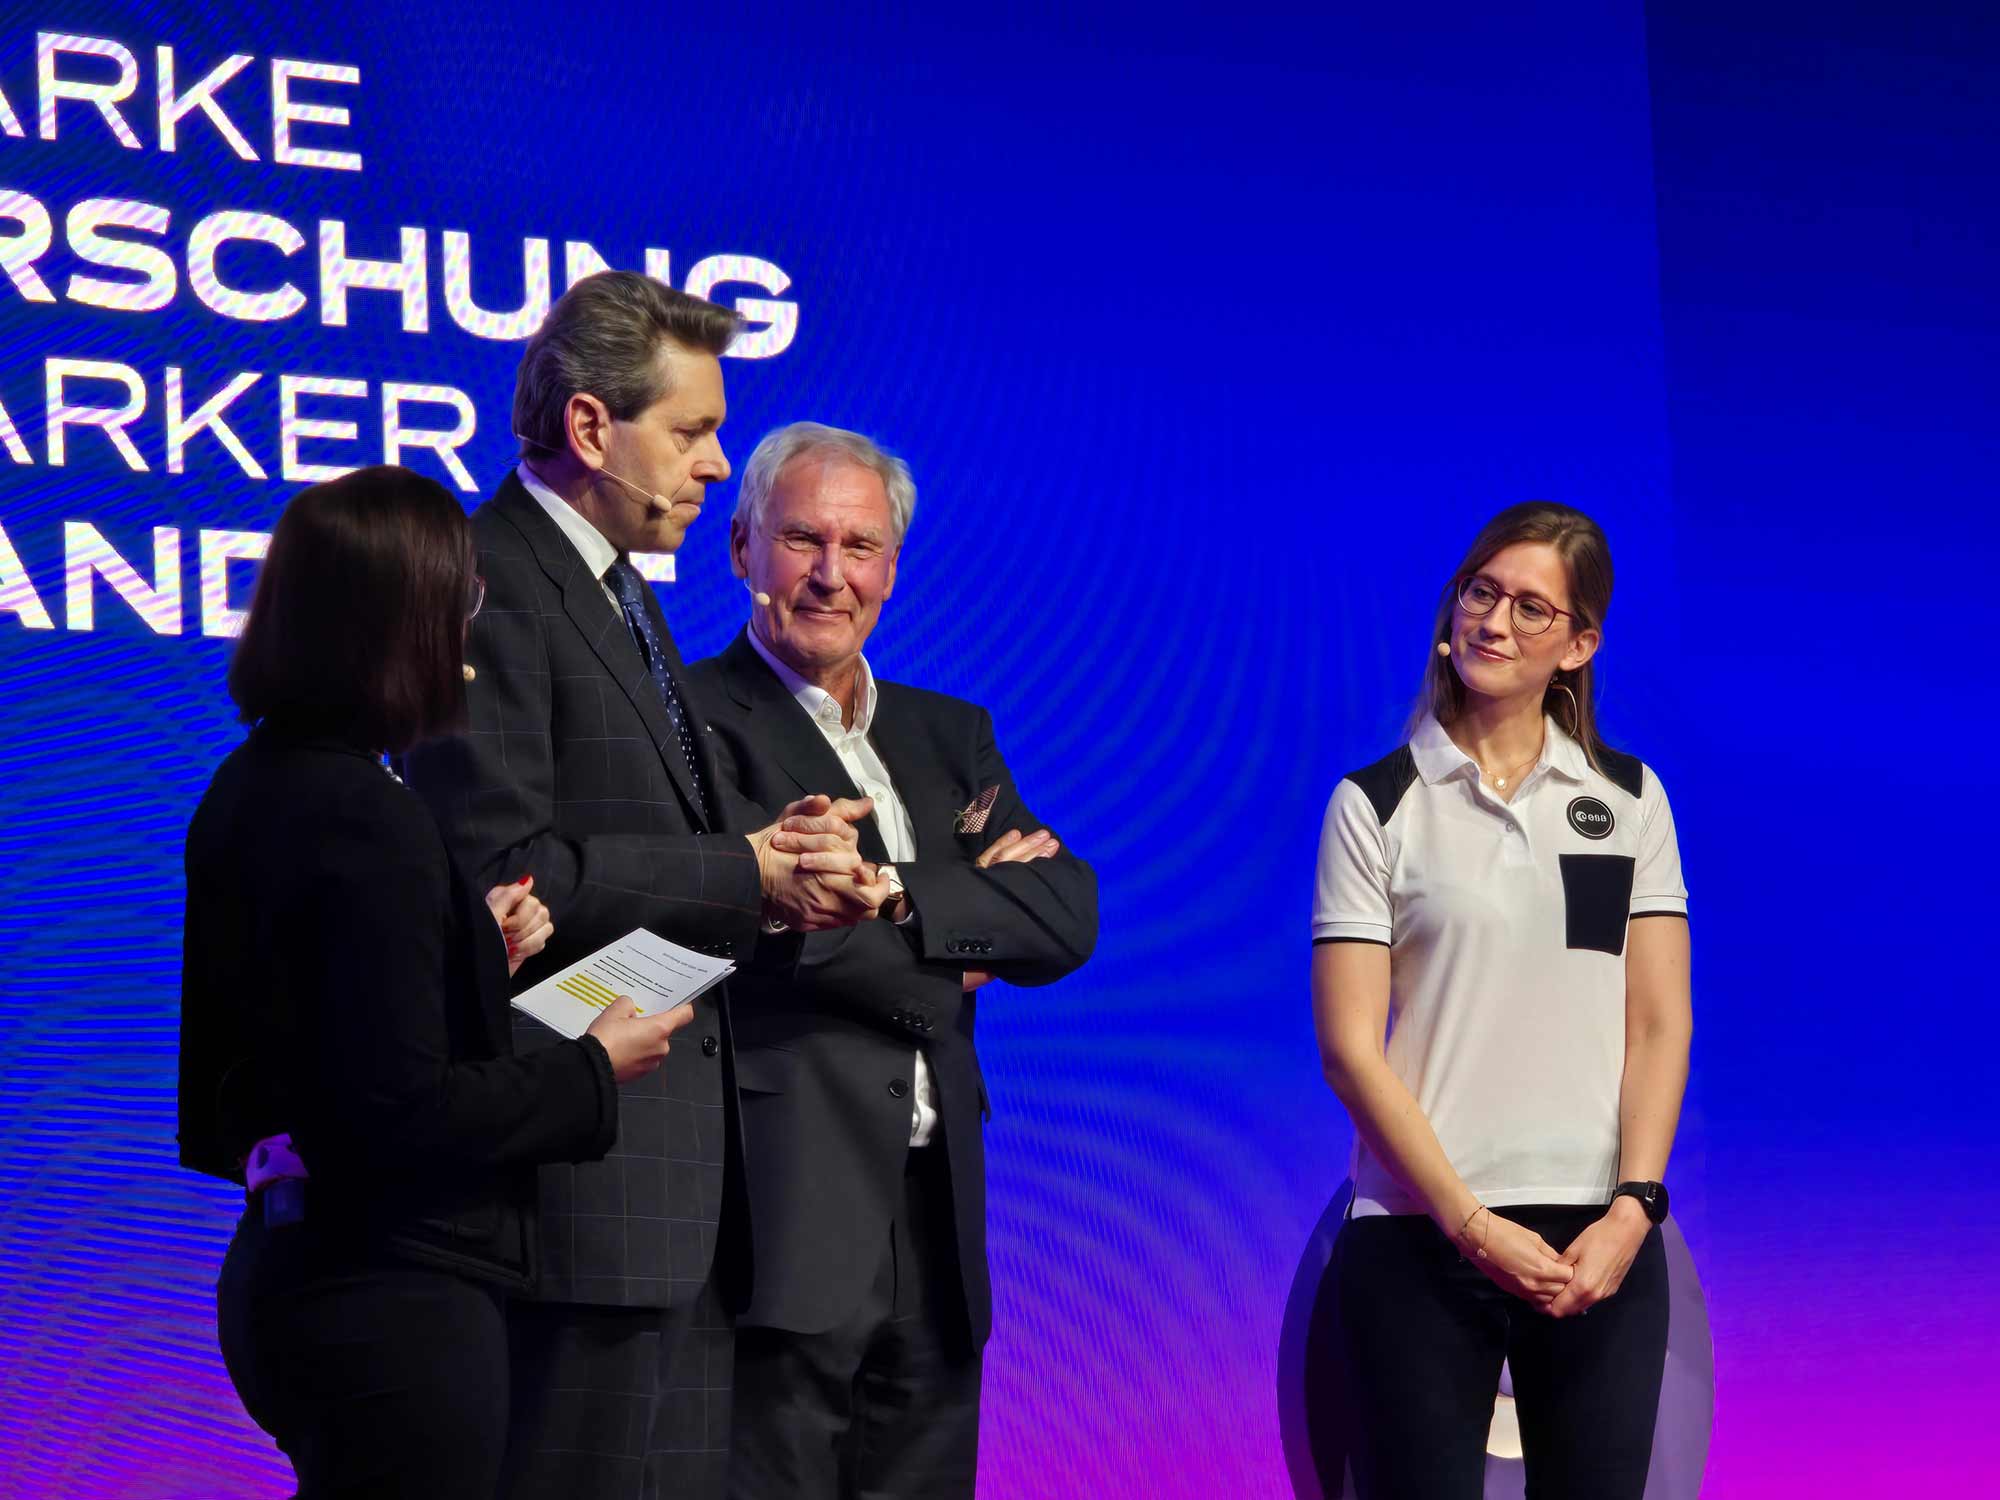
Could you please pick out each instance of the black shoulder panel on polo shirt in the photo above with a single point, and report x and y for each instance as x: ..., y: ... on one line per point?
x: 1384, y: 783
x: 1626, y: 772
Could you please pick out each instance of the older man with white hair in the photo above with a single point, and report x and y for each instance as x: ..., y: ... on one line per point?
x: 858, y: 1362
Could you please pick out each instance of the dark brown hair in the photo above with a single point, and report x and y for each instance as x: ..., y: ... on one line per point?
x: 357, y: 628
x: 603, y: 338
x: 1586, y: 559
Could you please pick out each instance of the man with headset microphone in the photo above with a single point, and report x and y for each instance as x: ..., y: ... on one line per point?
x: 584, y: 767
x: 859, y: 1359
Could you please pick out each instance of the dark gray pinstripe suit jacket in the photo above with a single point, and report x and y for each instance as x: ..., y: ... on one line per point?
x: 570, y: 771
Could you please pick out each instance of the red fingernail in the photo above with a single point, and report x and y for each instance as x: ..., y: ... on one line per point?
x: 524, y: 880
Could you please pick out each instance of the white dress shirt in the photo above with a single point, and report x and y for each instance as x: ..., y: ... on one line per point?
x: 871, y: 778
x: 598, y: 553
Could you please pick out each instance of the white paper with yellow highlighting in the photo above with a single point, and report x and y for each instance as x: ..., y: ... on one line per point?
x: 657, y: 974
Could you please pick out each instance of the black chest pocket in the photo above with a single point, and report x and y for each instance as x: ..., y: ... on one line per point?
x: 1597, y: 900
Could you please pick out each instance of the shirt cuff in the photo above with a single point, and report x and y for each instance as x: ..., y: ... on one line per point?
x: 1341, y: 931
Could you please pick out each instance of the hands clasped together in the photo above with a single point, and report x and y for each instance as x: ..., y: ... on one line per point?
x: 810, y: 866
x: 813, y: 877
x: 1559, y: 1283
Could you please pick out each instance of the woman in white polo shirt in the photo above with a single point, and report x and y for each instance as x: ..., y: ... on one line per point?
x: 1500, y: 985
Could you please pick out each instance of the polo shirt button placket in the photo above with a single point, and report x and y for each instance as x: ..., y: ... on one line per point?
x: 1514, y: 852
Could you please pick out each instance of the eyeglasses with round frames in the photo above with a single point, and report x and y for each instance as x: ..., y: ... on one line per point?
x: 1531, y: 613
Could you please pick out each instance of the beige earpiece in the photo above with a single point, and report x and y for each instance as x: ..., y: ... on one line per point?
x: 470, y: 675
x: 1444, y: 648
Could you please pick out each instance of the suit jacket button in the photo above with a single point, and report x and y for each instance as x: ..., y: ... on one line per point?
x: 899, y: 1088
x: 710, y: 1046
x: 951, y: 945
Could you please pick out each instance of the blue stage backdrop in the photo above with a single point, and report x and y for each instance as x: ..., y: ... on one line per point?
x: 1833, y: 337
x: 1211, y: 334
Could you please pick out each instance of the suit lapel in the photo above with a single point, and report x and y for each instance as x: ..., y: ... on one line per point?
x: 603, y: 628
x: 785, y: 733
x: 931, y: 794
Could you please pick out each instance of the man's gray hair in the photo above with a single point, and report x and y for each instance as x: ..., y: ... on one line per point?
x: 814, y: 439
x: 603, y: 337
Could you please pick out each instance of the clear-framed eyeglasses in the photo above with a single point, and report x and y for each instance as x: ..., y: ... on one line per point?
x: 1532, y: 614
x: 475, y: 595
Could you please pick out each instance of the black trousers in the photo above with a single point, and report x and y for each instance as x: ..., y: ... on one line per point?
x: 620, y: 1403
x: 884, y: 1406
x: 377, y: 1379
x: 1423, y: 1334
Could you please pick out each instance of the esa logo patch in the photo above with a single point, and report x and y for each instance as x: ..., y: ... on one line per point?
x: 1591, y: 818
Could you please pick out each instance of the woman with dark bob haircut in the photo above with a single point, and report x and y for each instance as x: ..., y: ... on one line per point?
x: 1500, y: 981
x: 345, y: 1052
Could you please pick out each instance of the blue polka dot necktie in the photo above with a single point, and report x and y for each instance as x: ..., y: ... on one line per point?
x: 630, y: 588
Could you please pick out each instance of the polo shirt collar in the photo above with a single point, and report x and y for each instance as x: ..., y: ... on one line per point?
x: 821, y: 705
x: 1563, y: 755
x: 1438, y: 758
x: 597, y: 552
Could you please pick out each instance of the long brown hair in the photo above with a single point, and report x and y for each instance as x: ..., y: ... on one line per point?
x: 1586, y: 559
x: 358, y: 623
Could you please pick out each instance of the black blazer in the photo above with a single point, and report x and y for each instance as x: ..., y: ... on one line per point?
x: 824, y: 1048
x: 342, y: 981
x: 570, y: 772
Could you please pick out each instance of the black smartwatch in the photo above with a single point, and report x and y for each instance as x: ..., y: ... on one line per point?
x: 1652, y: 1197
